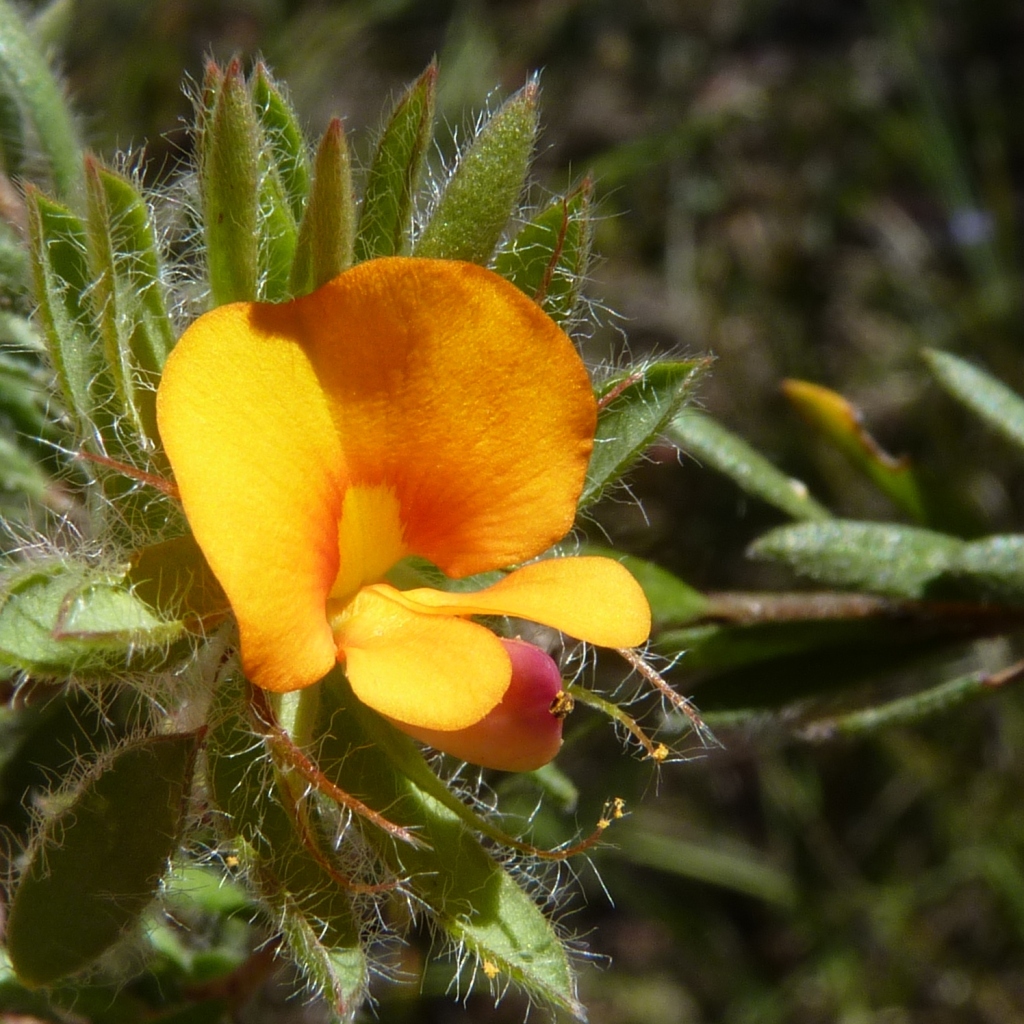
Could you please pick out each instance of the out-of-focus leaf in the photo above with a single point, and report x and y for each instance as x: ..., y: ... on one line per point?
x: 991, y: 569
x: 98, y: 863
x: 878, y: 557
x: 842, y: 423
x: 992, y: 400
x: 482, y: 192
x: 713, y: 445
x: 548, y: 258
x: 768, y: 664
x: 395, y: 171
x: 21, y: 474
x: 730, y: 866
x: 327, y: 229
x: 633, y: 411
x: 466, y: 891
x: 29, y: 85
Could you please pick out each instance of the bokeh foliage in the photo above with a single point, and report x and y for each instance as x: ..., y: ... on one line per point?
x: 823, y: 193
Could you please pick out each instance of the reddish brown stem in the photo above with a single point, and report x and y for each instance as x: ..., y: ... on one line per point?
x: 168, y: 487
x: 292, y: 756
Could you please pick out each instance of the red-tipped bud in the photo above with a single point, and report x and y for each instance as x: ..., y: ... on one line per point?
x: 525, y: 730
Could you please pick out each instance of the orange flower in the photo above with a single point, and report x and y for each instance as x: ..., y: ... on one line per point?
x: 408, y: 407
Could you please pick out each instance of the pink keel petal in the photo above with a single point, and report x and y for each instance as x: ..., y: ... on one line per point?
x: 521, y: 733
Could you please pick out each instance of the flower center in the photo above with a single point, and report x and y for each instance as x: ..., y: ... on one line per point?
x: 371, y: 538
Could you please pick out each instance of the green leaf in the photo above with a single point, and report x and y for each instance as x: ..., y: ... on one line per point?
x: 713, y: 445
x: 993, y: 401
x: 887, y: 559
x: 62, y: 282
x: 280, y: 849
x: 991, y: 569
x: 485, y: 186
x: 843, y: 425
x: 228, y: 146
x: 338, y: 973
x: 128, y: 297
x: 98, y: 863
x: 395, y: 172
x: 326, y: 234
x: 58, y: 619
x: 731, y: 866
x: 633, y: 412
x: 28, y: 83
x: 549, y: 257
x: 283, y: 134
x: 466, y: 891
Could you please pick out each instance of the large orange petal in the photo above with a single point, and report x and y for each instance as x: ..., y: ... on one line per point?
x: 256, y: 457
x: 452, y: 388
x: 592, y: 599
x: 430, y: 671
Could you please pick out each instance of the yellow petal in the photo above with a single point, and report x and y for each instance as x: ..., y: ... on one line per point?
x: 452, y: 389
x: 431, y: 671
x: 592, y: 599
x: 257, y: 460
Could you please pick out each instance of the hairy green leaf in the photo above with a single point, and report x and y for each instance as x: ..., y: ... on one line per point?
x: 326, y: 234
x: 395, y: 172
x: 548, y: 258
x: 485, y: 186
x: 633, y: 412
x: 97, y: 864
x: 58, y: 618
x: 469, y: 895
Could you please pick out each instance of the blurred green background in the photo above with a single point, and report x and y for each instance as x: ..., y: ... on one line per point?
x: 804, y: 188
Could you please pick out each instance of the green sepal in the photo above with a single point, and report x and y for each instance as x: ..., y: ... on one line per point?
x: 901, y: 561
x: 548, y: 258
x: 58, y: 618
x: 840, y: 422
x: 97, y: 864
x: 327, y: 230
x: 633, y: 412
x: 29, y: 87
x: 62, y: 281
x: 128, y: 297
x: 282, y: 852
x: 283, y: 135
x: 993, y: 401
x: 464, y: 889
x: 395, y: 172
x: 482, y: 193
x: 715, y: 446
